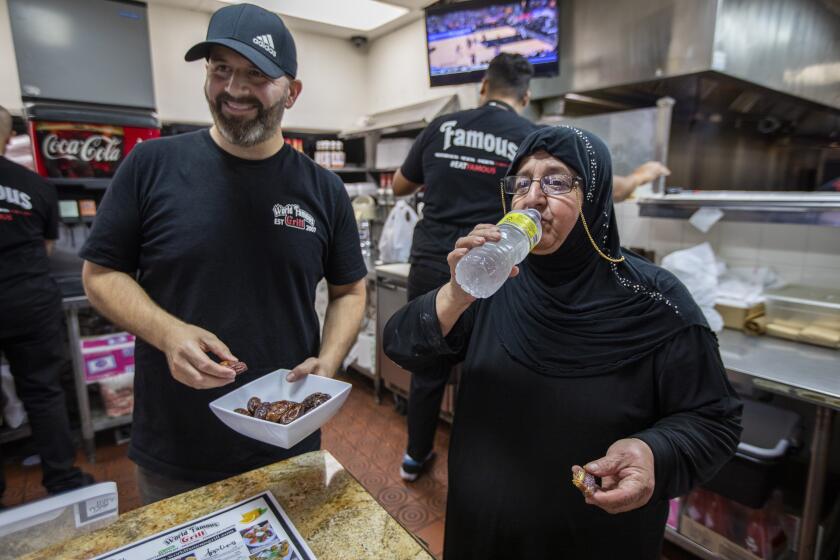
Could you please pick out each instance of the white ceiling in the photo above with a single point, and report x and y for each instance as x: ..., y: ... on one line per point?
x: 415, y: 11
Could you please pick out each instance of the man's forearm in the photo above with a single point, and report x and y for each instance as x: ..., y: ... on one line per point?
x: 120, y: 298
x: 341, y: 326
x: 623, y: 187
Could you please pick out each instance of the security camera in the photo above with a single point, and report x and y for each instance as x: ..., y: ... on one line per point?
x: 359, y: 41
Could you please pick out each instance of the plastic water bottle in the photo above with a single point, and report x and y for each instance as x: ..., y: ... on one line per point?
x: 483, y: 270
x: 366, y: 243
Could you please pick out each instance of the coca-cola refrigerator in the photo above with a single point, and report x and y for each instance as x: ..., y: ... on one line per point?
x: 85, y: 145
x: 78, y: 148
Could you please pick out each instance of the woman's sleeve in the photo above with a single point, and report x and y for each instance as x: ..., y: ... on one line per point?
x: 700, y: 414
x: 413, y: 339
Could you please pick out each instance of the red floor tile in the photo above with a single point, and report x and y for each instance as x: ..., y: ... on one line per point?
x: 432, y: 535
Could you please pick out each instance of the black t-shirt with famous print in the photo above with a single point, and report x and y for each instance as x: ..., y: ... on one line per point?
x: 460, y: 158
x: 29, y: 297
x: 233, y: 246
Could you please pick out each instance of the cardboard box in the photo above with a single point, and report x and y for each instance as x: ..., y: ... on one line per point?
x: 736, y: 317
x: 107, y: 355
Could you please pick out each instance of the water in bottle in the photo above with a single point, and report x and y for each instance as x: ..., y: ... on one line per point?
x: 483, y: 270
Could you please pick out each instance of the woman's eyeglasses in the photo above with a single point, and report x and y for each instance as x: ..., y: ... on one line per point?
x: 551, y: 185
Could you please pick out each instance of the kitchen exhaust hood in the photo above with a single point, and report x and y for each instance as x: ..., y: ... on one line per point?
x: 787, y: 46
x: 409, y: 117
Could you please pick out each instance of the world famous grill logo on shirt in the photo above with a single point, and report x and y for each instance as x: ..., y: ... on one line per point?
x: 293, y: 216
x: 476, y: 139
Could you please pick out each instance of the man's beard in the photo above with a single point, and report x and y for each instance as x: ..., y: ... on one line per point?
x: 246, y: 132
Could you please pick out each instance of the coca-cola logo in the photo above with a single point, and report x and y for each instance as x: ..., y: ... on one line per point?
x: 93, y: 148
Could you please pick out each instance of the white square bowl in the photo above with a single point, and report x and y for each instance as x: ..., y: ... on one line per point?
x: 274, y: 387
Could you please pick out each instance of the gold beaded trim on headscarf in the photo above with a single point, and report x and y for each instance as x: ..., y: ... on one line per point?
x: 589, y: 235
x: 502, y: 192
x: 583, y: 221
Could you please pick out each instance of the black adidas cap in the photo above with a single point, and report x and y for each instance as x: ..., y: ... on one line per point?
x: 255, y: 33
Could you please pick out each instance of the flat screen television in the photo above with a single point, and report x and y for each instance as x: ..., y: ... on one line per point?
x: 462, y: 38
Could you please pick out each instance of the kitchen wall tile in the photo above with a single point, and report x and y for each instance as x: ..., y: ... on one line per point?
x: 665, y: 236
x: 739, y: 241
x: 825, y: 277
x: 693, y: 236
x: 634, y: 231
x: 788, y: 274
x: 823, y: 247
x: 783, y: 244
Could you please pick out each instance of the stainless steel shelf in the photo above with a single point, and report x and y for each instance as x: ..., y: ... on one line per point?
x: 361, y: 169
x: 12, y: 434
x: 348, y: 169
x: 764, y: 207
x: 687, y: 544
x: 78, y: 220
x: 102, y: 421
x: 93, y: 183
x: 800, y: 371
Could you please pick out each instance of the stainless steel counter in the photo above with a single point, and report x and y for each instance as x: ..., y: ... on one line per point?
x: 800, y: 371
x: 396, y: 271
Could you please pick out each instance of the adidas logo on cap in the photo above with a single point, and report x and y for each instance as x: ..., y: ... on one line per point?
x: 266, y: 43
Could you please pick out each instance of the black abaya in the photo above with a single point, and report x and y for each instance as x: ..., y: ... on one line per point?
x: 517, y: 433
x: 575, y: 353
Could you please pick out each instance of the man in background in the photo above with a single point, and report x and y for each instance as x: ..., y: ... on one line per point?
x: 625, y: 185
x: 460, y: 158
x: 31, y: 319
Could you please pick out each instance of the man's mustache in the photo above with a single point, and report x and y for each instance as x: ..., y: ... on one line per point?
x: 223, y: 97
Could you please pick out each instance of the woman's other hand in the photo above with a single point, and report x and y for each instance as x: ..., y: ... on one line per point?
x: 627, y: 477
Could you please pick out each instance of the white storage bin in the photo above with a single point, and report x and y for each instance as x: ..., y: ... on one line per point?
x: 38, y: 525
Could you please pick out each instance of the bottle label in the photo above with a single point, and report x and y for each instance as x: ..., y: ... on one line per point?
x: 524, y: 224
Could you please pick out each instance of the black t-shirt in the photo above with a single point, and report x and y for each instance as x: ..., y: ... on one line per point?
x: 233, y: 246
x: 460, y: 158
x: 28, y: 217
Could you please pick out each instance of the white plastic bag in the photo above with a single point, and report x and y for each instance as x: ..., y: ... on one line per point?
x: 395, y: 243
x: 697, y: 268
x: 13, y: 412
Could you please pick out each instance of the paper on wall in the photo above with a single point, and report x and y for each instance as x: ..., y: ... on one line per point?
x: 705, y: 218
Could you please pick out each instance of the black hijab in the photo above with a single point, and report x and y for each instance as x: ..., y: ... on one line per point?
x: 573, y: 313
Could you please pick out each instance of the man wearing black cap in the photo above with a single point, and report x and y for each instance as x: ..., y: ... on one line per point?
x: 227, y: 232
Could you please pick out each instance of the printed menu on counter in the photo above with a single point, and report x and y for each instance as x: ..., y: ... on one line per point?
x: 256, y: 529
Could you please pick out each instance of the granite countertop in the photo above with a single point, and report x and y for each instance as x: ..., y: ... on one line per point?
x: 331, y: 510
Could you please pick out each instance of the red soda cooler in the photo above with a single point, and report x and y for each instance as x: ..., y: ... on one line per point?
x: 85, y: 143
x: 76, y: 150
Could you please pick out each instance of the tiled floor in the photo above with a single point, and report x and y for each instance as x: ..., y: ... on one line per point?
x: 368, y: 439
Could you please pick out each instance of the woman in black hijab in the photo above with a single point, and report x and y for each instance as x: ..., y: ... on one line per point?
x: 588, y: 354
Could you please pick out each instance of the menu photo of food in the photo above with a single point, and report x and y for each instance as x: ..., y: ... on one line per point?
x: 259, y: 535
x: 256, y: 528
x: 279, y: 551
